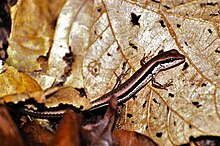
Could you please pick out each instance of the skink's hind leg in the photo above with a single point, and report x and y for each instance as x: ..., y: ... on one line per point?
x: 122, y: 75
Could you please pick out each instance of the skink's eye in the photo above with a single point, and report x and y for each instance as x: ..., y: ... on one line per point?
x: 171, y: 59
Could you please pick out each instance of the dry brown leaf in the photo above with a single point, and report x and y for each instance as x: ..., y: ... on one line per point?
x: 131, y: 138
x: 71, y: 133
x: 9, y: 134
x: 15, y: 98
x: 35, y: 134
x: 12, y: 81
x: 32, y: 33
x: 67, y: 95
x: 68, y: 132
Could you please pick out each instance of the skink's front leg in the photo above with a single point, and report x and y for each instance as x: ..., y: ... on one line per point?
x: 145, y: 57
x: 160, y: 86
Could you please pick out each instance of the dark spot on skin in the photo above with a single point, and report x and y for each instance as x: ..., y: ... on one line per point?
x: 186, y: 43
x: 209, y: 30
x: 99, y: 9
x: 129, y: 115
x: 108, y: 54
x: 132, y: 122
x: 135, y: 19
x: 192, y: 84
x: 159, y: 134
x: 185, y: 66
x: 168, y: 109
x: 154, y: 118
x: 144, y: 105
x: 178, y: 25
x: 216, y: 74
x: 217, y: 51
x: 100, y: 37
x: 171, y: 95
x: 95, y: 31
x: 204, y: 84
x: 61, y: 46
x: 174, y: 123
x: 196, y: 104
x: 162, y: 23
x: 146, y: 127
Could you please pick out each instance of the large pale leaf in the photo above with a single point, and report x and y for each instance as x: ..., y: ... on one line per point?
x: 193, y: 111
x: 120, y: 31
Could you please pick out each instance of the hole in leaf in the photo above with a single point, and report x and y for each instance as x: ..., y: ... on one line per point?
x: 171, y: 95
x: 209, y: 30
x: 162, y: 23
x: 135, y: 19
x: 178, y: 25
x: 159, y: 134
x: 129, y: 116
x: 185, y: 66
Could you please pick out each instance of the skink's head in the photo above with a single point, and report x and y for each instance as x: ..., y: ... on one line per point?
x: 170, y: 59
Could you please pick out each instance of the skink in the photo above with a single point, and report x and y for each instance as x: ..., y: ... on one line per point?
x: 129, y: 88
